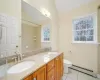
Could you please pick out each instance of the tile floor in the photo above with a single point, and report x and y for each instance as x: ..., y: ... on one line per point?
x: 75, y: 75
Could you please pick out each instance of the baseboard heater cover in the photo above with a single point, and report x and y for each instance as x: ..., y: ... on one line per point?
x: 84, y: 71
x: 83, y: 68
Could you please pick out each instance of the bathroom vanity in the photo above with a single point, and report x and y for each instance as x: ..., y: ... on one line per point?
x: 53, y: 70
x: 47, y: 66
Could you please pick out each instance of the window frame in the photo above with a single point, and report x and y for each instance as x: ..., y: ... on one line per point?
x: 42, y: 35
x: 94, y: 15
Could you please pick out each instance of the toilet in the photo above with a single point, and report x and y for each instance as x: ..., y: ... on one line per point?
x: 67, y: 64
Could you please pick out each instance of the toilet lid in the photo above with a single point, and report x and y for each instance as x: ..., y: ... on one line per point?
x: 67, y: 62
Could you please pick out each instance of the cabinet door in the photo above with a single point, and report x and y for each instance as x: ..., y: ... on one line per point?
x: 51, y: 74
x: 59, y: 67
x: 41, y: 74
x: 28, y: 78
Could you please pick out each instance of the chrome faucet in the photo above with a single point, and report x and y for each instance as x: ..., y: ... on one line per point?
x: 19, y: 56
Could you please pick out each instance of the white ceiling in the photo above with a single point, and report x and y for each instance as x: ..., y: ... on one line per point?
x: 37, y: 16
x: 66, y: 5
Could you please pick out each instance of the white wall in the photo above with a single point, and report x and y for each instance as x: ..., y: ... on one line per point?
x: 99, y: 39
x: 84, y: 55
x: 25, y: 16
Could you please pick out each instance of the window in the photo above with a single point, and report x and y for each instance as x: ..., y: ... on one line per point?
x: 84, y: 29
x: 45, y: 37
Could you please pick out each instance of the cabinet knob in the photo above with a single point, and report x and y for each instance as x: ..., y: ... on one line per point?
x: 34, y: 78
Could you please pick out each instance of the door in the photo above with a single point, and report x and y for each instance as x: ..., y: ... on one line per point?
x: 41, y: 74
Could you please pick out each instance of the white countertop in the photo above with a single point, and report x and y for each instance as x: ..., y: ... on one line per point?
x: 39, y: 59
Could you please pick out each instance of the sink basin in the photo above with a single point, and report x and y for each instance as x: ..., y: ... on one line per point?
x: 21, y: 67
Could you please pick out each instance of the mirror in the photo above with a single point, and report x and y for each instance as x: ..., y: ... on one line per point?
x: 35, y: 29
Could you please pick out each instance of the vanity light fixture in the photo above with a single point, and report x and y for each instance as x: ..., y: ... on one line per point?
x: 45, y: 12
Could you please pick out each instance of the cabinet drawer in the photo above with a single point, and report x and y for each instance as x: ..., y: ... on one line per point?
x: 50, y: 65
x: 51, y: 74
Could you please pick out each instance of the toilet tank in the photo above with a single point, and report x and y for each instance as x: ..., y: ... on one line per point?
x: 67, y: 64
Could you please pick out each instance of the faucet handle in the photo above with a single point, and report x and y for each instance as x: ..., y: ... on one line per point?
x: 15, y: 58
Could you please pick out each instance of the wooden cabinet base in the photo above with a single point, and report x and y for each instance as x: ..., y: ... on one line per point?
x: 51, y: 71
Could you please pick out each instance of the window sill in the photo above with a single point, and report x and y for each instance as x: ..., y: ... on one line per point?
x: 95, y: 43
x: 45, y: 41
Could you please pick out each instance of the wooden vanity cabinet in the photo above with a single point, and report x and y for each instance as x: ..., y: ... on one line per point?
x: 53, y: 70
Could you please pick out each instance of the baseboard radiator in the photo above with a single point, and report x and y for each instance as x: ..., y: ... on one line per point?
x: 84, y: 70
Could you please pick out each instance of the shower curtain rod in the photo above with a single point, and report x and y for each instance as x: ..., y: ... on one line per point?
x: 30, y: 22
